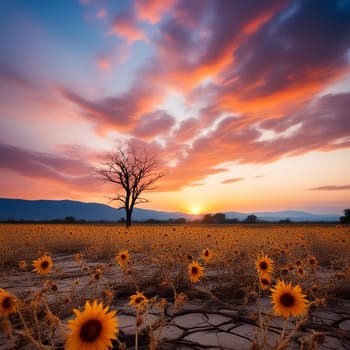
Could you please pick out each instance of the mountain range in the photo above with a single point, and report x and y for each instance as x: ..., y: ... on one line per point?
x: 43, y: 210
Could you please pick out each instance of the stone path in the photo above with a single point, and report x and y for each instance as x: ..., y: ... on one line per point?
x: 196, y: 325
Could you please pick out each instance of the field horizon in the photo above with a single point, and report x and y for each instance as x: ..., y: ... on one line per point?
x: 42, y: 209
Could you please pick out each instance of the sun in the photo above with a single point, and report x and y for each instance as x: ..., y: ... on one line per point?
x: 195, y: 210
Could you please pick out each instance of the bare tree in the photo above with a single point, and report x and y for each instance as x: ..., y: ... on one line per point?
x: 133, y: 171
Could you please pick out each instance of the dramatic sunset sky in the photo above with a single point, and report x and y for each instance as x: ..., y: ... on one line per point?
x: 247, y: 103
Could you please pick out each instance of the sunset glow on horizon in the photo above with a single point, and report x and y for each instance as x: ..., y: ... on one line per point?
x: 246, y: 104
x: 195, y: 210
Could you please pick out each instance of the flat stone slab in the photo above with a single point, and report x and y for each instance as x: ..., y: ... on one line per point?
x: 219, y: 340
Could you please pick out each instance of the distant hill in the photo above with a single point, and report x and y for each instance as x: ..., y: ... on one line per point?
x: 42, y: 210
x: 293, y: 215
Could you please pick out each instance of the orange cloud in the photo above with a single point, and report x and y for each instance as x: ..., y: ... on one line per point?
x: 215, y: 62
x: 103, y: 63
x: 279, y: 100
x: 125, y: 25
x: 152, y: 10
x: 235, y: 141
x: 185, y: 57
x: 188, y: 130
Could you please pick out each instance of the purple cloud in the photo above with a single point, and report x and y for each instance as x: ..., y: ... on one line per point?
x: 302, y: 44
x: 120, y: 112
x: 15, y: 78
x: 152, y: 124
x: 125, y: 24
x: 71, y: 172
x: 324, y: 124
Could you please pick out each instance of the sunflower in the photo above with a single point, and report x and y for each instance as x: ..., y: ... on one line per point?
x: 207, y: 255
x: 92, y: 329
x: 195, y: 271
x: 264, y: 265
x: 7, y: 303
x: 122, y: 258
x: 180, y: 300
x: 43, y: 265
x: 284, y: 271
x: 264, y: 281
x: 138, y: 300
x: 22, y: 265
x: 312, y: 261
x: 288, y: 301
x: 301, y: 272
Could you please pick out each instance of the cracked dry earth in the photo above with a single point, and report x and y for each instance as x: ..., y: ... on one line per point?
x: 201, y: 323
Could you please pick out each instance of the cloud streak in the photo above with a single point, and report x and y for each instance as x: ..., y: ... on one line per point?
x: 330, y: 188
x: 229, y: 181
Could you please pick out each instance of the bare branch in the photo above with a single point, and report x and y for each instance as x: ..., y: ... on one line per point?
x: 133, y: 171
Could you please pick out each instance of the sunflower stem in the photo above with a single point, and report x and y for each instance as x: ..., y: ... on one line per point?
x: 36, y: 321
x: 27, y: 331
x: 281, y: 342
x: 137, y: 332
x: 259, y: 309
x: 261, y: 324
x: 162, y: 323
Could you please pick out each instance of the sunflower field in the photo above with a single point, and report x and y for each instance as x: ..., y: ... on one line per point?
x: 98, y: 287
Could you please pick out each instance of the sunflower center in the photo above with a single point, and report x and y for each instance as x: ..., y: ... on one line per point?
x: 90, y: 331
x: 7, y: 303
x: 194, y: 270
x: 265, y: 281
x: 206, y: 253
x: 138, y: 300
x: 287, y: 300
x: 263, y: 265
x: 44, y: 264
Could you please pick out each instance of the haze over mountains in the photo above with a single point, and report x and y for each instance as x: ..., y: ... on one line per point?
x: 42, y: 210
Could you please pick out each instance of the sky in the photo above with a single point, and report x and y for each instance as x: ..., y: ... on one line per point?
x: 245, y: 103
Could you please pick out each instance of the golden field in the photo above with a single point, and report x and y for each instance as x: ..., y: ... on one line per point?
x: 82, y: 263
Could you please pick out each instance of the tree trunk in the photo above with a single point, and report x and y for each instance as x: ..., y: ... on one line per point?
x: 128, y: 217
